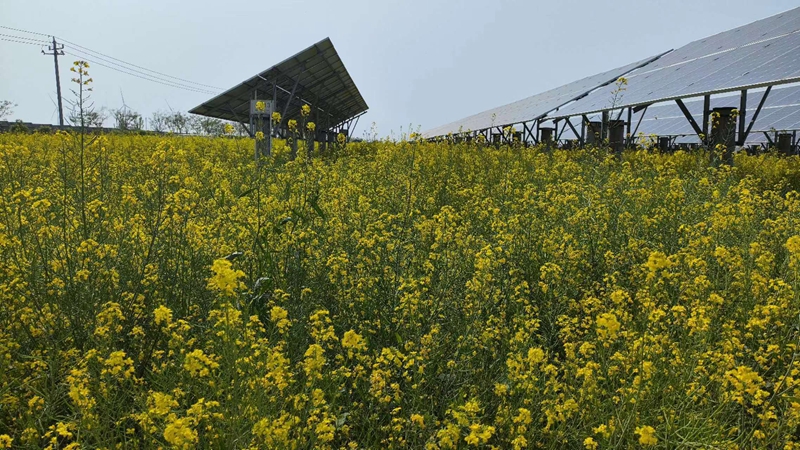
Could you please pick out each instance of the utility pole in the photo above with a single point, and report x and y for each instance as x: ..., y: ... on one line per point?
x: 58, y: 50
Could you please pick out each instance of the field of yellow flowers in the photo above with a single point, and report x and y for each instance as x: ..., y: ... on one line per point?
x: 166, y: 292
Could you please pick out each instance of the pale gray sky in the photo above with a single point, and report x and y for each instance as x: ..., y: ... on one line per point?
x: 415, y: 62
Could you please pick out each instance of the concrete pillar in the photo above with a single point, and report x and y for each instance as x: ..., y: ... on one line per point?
x: 663, y: 144
x: 785, y: 143
x: 546, y: 134
x: 723, y: 132
x: 616, y: 135
x: 593, y: 132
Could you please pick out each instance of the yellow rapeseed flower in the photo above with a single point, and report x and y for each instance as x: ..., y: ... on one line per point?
x: 180, y: 434
x: 647, y: 435
x: 225, y: 279
x: 162, y: 315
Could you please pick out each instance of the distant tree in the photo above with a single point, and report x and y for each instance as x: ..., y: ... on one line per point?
x: 19, y: 127
x: 158, y: 121
x: 128, y: 119
x: 177, y: 122
x: 6, y: 108
x: 91, y: 117
x: 211, y: 126
x: 241, y: 130
x: 97, y: 118
x: 194, y: 124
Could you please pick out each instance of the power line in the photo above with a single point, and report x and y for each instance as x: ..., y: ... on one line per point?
x: 90, y: 51
x: 143, y: 77
x: 25, y: 31
x: 122, y: 68
x: 22, y: 42
x: 82, y: 54
x: 24, y: 38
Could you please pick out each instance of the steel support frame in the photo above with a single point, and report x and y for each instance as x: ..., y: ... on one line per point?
x: 763, y: 100
x: 689, y: 117
x: 628, y: 130
x: 639, y: 122
x: 572, y: 127
x: 742, y: 117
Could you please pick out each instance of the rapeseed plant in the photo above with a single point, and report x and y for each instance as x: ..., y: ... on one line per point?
x: 394, y: 294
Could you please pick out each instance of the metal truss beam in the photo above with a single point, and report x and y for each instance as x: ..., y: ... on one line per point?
x: 688, y: 116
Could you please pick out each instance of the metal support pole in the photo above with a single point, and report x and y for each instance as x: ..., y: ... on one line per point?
x: 555, y: 125
x: 644, y: 111
x: 583, y: 130
x: 756, y: 113
x: 742, y: 117
x: 628, y: 130
x: 706, y: 116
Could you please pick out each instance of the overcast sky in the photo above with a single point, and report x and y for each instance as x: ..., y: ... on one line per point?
x: 419, y: 63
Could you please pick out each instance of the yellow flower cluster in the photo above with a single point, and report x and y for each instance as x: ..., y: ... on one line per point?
x: 225, y: 278
x: 397, y: 295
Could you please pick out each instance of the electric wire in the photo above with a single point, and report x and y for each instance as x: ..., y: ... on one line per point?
x: 85, y: 55
x: 25, y: 31
x: 140, y: 76
x: 92, y: 56
x: 94, y: 53
x: 24, y: 38
x: 21, y: 42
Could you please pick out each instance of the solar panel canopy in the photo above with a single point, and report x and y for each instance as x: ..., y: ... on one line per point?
x: 536, y: 106
x: 765, y: 52
x: 781, y: 111
x: 315, y: 76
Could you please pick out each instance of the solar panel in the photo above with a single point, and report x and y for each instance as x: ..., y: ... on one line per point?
x: 765, y: 52
x: 781, y: 111
x: 535, y: 106
x: 314, y: 76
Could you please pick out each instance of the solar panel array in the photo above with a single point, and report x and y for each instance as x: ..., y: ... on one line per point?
x: 315, y: 75
x: 781, y: 111
x: 759, y: 54
x: 535, y: 106
x: 765, y: 52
